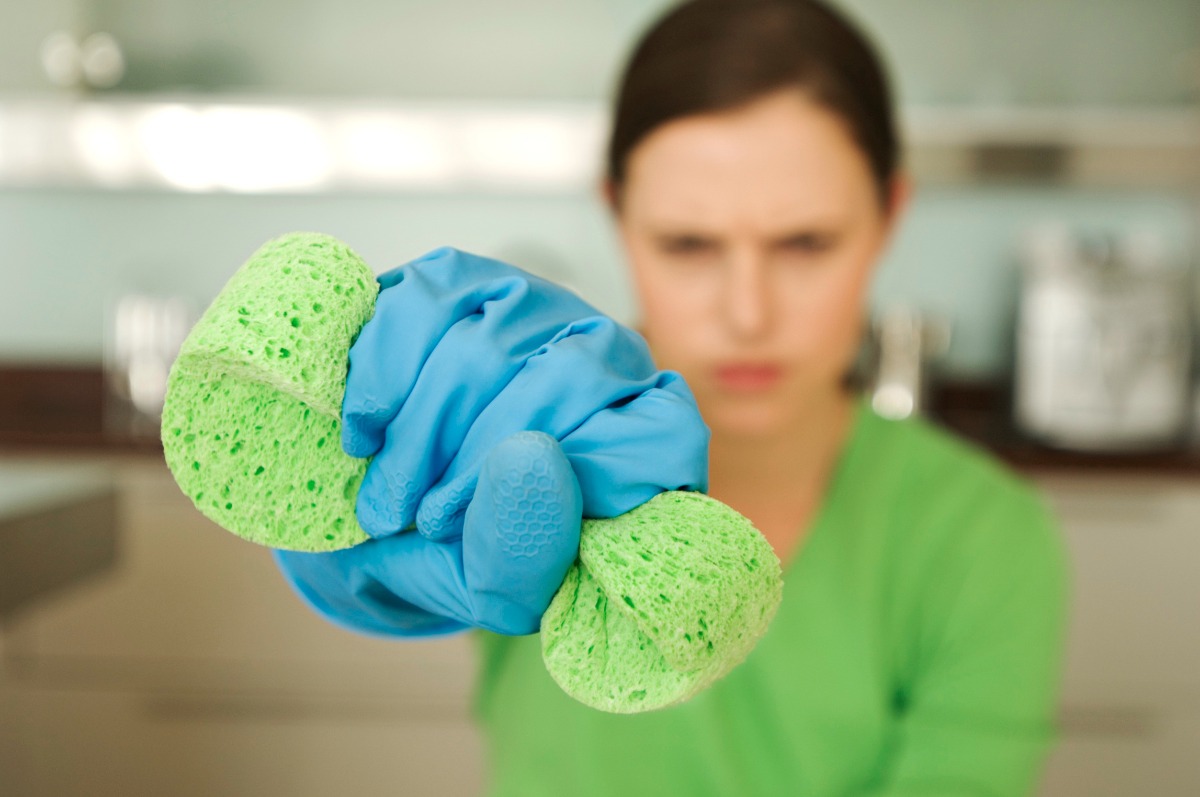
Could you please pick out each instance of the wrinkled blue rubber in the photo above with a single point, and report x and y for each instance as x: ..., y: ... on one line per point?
x: 472, y: 378
x: 521, y: 535
x: 464, y: 351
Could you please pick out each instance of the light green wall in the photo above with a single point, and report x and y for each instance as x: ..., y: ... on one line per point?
x: 67, y: 255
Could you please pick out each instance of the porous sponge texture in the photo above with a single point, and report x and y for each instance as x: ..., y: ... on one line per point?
x: 664, y: 600
x: 251, y: 424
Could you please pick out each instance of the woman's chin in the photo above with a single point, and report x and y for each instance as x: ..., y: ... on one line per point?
x: 746, y: 417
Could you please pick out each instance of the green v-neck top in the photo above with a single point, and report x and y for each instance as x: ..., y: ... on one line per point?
x: 916, y: 652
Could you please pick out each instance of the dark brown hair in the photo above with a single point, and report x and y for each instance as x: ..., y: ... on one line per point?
x: 705, y: 56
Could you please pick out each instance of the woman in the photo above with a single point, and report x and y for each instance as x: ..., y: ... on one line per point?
x: 754, y: 181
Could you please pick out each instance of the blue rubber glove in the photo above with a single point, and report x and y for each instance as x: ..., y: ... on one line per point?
x: 499, y: 409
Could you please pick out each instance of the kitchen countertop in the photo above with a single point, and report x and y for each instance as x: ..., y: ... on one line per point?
x: 61, y: 410
x: 58, y: 526
x: 30, y: 487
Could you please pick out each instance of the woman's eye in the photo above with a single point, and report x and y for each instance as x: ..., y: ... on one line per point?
x: 807, y: 243
x: 687, y: 245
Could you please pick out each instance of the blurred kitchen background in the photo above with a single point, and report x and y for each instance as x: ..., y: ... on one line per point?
x: 1039, y: 299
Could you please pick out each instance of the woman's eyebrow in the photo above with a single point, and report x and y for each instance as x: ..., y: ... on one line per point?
x: 682, y: 230
x: 822, y: 226
x: 671, y: 227
x: 676, y: 230
x: 807, y: 231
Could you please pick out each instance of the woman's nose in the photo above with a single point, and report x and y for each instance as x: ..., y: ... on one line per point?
x: 747, y: 297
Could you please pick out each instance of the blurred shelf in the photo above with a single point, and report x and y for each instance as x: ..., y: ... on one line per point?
x: 60, y: 409
x: 1083, y: 147
x: 46, y: 408
x: 258, y: 145
x: 981, y: 412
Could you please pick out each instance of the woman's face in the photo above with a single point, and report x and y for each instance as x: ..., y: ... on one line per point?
x: 752, y: 234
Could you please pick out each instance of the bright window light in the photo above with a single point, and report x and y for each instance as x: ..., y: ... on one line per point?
x: 102, y: 141
x: 385, y: 149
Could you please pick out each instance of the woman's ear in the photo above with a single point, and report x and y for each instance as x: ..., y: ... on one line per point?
x: 610, y: 195
x: 899, y: 195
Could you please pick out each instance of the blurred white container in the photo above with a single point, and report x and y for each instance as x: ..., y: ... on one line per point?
x: 1103, y: 343
x: 904, y: 343
x: 144, y: 336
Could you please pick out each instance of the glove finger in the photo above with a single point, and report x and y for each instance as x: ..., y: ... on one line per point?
x: 472, y: 362
x: 403, y: 584
x: 593, y: 366
x: 626, y: 454
x: 521, y: 533
x: 417, y: 304
x: 410, y: 317
x: 590, y: 364
x: 622, y: 456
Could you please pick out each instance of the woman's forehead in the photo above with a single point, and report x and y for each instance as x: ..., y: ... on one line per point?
x: 779, y: 158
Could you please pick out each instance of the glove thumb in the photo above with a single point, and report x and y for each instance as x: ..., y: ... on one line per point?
x: 521, y: 532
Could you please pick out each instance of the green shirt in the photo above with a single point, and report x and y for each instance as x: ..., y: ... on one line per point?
x: 916, y: 652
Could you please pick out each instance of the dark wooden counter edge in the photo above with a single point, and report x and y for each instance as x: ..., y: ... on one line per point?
x: 61, y: 409
x: 46, y: 409
x: 982, y: 413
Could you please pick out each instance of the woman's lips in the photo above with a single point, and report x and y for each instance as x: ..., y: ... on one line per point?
x: 748, y: 377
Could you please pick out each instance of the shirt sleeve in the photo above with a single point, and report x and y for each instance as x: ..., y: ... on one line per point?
x: 977, y: 703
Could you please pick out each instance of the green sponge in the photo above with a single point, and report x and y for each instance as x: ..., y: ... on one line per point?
x: 664, y: 600
x: 251, y: 423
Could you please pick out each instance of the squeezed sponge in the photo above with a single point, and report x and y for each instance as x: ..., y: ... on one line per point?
x: 664, y: 600
x: 251, y: 423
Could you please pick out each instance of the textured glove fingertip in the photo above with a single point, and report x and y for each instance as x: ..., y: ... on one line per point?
x: 355, y: 443
x: 533, y: 490
x: 441, y: 513
x: 521, y: 533
x: 385, y: 502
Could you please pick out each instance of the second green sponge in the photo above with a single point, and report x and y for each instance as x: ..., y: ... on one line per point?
x: 664, y: 600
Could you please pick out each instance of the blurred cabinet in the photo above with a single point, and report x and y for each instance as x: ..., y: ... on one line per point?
x: 25, y: 27
x: 1131, y: 702
x: 193, y: 670
x: 1039, y: 52
x: 366, y: 48
x: 943, y: 52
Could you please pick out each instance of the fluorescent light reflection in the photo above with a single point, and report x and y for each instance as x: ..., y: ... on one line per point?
x: 28, y: 142
x: 537, y: 149
x: 235, y: 148
x: 266, y: 149
x: 262, y: 148
x: 101, y: 139
x: 172, y: 137
x: 384, y: 148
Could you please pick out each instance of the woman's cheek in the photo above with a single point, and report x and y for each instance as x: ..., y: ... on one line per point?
x: 831, y: 327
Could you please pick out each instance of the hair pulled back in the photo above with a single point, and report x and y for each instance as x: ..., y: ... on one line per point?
x: 707, y: 56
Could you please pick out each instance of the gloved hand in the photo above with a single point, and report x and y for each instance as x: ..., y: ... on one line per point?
x: 499, y: 408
